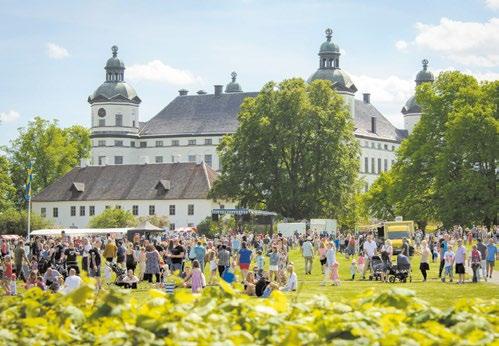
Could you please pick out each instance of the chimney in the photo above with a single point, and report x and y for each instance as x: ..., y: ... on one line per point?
x: 373, y: 124
x: 201, y: 92
x: 367, y: 97
x: 183, y: 92
x: 218, y: 89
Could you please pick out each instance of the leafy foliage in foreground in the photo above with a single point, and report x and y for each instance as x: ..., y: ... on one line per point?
x: 224, y: 317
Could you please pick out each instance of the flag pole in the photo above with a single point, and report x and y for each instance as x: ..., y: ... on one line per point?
x: 29, y: 218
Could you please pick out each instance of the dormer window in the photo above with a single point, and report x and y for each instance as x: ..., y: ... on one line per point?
x: 163, y: 186
x: 78, y: 187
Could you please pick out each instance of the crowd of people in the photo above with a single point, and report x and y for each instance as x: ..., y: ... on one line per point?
x: 263, y: 263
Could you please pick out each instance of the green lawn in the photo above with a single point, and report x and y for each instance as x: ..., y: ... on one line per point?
x: 434, y: 291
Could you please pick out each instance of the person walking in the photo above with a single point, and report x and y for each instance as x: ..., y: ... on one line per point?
x: 475, y: 260
x: 491, y: 256
x: 330, y: 261
x: 483, y: 255
x: 370, y: 248
x: 460, y: 261
x: 424, y: 264
x: 307, y: 251
x: 244, y: 260
x: 152, y: 264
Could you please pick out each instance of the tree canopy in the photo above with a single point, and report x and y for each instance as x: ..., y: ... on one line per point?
x: 113, y: 218
x: 7, y: 190
x: 446, y: 169
x: 53, y: 150
x: 294, y: 152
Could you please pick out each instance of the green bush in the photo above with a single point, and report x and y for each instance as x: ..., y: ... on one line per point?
x: 224, y: 317
x: 13, y: 221
x: 113, y: 218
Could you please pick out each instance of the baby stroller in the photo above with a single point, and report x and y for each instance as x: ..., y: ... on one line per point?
x: 61, y: 268
x: 120, y: 272
x: 377, y: 268
x: 400, y: 272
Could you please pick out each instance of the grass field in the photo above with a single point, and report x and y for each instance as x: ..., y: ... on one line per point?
x: 434, y: 291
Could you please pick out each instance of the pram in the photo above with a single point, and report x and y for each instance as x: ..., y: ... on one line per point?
x: 400, y: 272
x: 61, y: 268
x: 120, y: 272
x: 377, y: 268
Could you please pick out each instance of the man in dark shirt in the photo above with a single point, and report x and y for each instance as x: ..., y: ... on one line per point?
x: 95, y: 263
x: 177, y: 256
x: 70, y: 255
x: 260, y: 285
x: 59, y: 250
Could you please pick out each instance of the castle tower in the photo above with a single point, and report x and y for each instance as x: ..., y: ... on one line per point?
x: 115, y: 116
x: 329, y: 69
x: 411, y: 110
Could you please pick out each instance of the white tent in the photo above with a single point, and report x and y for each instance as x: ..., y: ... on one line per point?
x: 79, y: 231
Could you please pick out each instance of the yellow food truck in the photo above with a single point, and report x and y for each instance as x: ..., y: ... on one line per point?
x: 396, y: 231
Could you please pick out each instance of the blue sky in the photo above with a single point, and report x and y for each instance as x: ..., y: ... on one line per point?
x: 53, y: 52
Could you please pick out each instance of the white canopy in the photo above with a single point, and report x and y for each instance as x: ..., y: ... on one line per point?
x: 79, y: 231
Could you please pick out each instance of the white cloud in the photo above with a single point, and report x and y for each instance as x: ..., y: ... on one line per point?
x: 493, y: 4
x: 401, y: 45
x: 392, y: 89
x: 467, y: 43
x: 9, y: 117
x: 157, y: 71
x: 57, y: 52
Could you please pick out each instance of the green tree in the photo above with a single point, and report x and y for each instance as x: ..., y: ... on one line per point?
x: 446, y: 169
x: 294, y: 152
x: 7, y: 190
x: 113, y: 218
x: 13, y: 221
x: 379, y: 200
x: 54, y: 151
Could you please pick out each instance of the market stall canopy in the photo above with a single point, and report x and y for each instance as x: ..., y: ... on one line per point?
x: 78, y: 231
x: 146, y: 226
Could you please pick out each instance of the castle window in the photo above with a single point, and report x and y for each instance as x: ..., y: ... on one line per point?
x: 118, y: 143
x: 175, y: 143
x: 159, y: 159
x: 119, y: 119
x: 192, y: 142
x: 208, y: 159
x: 159, y: 143
x: 192, y: 158
x: 118, y: 160
x: 135, y: 210
x: 102, y: 122
x: 143, y: 144
x: 208, y: 141
x: 43, y: 212
x: 101, y: 143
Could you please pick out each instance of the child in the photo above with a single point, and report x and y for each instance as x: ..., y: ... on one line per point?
x: 353, y: 268
x: 335, y: 275
x: 361, y: 262
x: 449, y: 263
x: 197, y: 277
x: 435, y: 252
x: 260, y: 262
x: 213, y: 267
x: 12, y: 285
x: 273, y: 263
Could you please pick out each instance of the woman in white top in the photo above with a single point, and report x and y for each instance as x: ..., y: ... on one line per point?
x: 424, y: 265
x: 292, y: 283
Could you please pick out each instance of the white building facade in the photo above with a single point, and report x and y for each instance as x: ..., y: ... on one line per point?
x: 178, y: 191
x: 189, y: 129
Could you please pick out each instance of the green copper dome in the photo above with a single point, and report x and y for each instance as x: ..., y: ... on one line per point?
x: 233, y: 86
x: 328, y: 46
x: 329, y: 67
x: 339, y: 79
x: 411, y: 106
x: 114, y: 88
x: 424, y: 75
